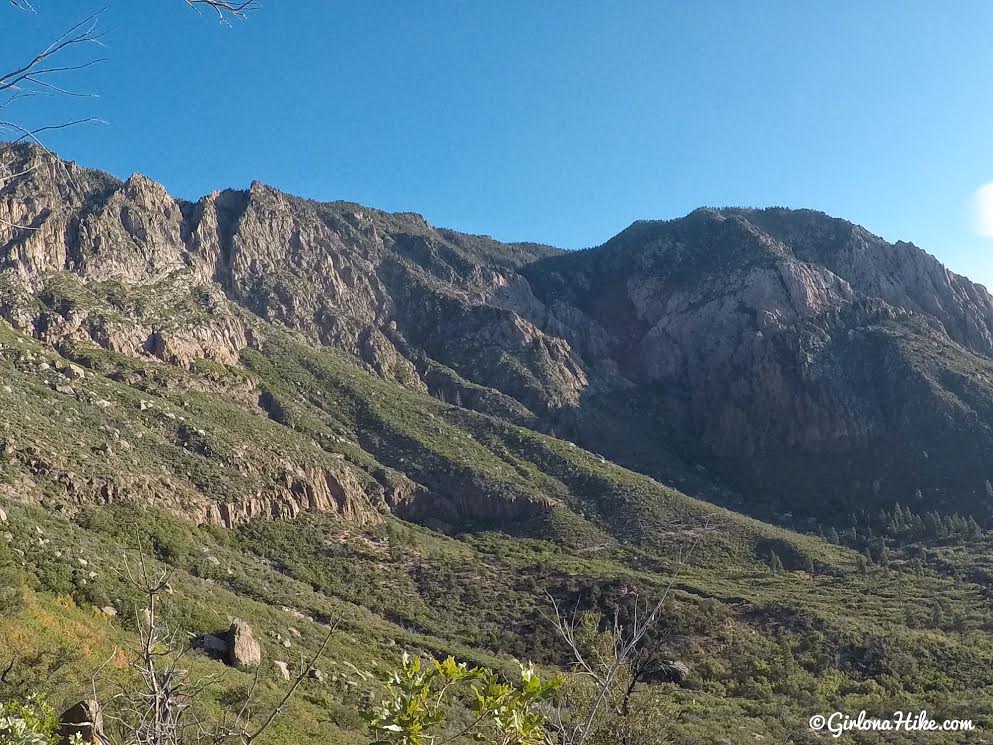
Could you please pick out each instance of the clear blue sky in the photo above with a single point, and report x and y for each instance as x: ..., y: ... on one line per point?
x: 552, y: 121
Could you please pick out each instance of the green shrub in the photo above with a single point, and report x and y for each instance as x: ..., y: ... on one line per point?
x: 12, y: 581
x: 416, y: 707
x: 32, y: 722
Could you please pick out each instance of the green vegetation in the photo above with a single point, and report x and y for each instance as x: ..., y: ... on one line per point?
x: 787, y: 643
x: 414, y: 710
x: 32, y: 722
x: 473, y: 528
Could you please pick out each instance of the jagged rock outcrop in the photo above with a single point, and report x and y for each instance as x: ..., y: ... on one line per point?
x: 316, y: 490
x: 296, y: 490
x: 767, y: 339
x: 218, y: 340
x: 899, y: 273
x: 764, y: 345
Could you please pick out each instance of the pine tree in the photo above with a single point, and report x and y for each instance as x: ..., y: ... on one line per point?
x: 943, y: 528
x: 886, y: 522
x: 775, y: 563
x: 899, y: 519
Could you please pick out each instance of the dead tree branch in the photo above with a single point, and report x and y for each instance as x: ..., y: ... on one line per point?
x: 225, y: 8
x: 161, y: 705
x: 33, y: 77
x: 626, y: 651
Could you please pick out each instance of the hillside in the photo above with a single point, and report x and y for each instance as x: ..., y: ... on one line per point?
x: 763, y: 346
x: 308, y: 408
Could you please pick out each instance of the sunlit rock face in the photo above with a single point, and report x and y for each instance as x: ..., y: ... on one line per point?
x: 770, y: 346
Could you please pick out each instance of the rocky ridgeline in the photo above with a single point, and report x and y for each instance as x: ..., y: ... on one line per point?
x: 750, y: 338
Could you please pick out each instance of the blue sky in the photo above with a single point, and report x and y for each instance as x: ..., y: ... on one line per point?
x: 552, y: 121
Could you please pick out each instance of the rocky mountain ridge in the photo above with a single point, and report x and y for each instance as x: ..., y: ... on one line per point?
x: 776, y: 360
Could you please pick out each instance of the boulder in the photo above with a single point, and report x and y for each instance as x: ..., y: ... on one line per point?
x: 283, y: 668
x: 73, y: 372
x: 673, y: 671
x: 84, y: 719
x: 244, y: 650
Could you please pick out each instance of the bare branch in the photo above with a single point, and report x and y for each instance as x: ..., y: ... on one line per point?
x: 225, y: 8
x: 161, y: 704
x: 81, y: 34
x: 39, y: 77
x: 248, y: 739
x: 626, y: 642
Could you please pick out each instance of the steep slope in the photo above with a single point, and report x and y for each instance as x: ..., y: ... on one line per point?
x: 814, y: 366
x: 357, y: 279
x: 413, y: 405
x: 772, y: 360
x: 121, y: 278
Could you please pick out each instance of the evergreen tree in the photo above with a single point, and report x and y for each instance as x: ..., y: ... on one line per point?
x: 886, y: 522
x: 775, y: 563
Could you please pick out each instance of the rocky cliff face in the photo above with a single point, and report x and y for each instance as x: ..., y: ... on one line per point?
x: 370, y: 283
x: 767, y: 339
x: 768, y: 346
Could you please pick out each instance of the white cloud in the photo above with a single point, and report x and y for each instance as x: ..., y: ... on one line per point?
x: 982, y: 210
